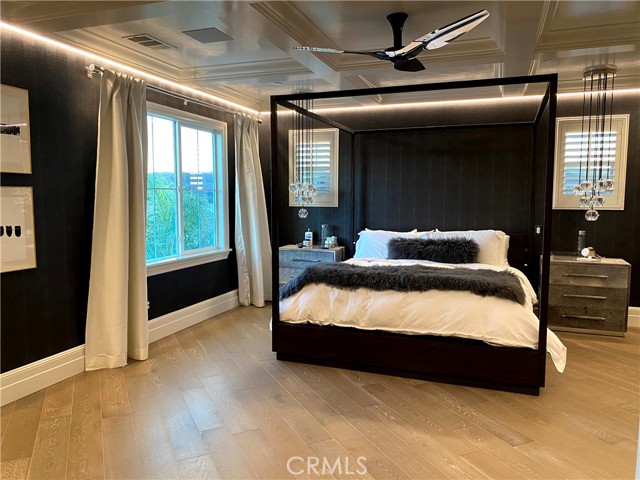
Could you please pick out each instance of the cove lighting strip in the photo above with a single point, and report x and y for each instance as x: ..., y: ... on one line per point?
x: 126, y: 68
x: 435, y: 103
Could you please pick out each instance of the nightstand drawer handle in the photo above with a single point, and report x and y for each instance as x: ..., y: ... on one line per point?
x: 583, y: 317
x: 590, y: 297
x: 310, y: 260
x: 585, y: 275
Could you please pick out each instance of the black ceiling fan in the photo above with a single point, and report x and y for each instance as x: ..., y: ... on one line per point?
x: 403, y: 57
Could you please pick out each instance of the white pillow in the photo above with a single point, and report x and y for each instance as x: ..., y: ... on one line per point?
x: 374, y: 243
x: 389, y: 231
x: 493, y: 244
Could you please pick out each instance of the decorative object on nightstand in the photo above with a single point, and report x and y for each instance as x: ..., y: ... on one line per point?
x: 589, y: 294
x: 293, y: 259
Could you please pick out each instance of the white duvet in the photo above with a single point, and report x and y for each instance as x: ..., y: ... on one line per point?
x: 448, y: 313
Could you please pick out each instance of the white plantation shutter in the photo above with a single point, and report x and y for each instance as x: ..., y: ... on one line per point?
x: 574, y: 145
x: 577, y: 151
x: 317, y: 162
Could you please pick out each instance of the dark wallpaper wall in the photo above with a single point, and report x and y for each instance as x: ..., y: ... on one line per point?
x: 44, y: 309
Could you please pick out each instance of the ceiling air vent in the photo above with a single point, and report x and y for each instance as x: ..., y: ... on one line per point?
x: 148, y: 41
x: 208, y: 35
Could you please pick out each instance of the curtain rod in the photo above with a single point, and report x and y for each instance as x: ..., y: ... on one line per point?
x: 93, y: 68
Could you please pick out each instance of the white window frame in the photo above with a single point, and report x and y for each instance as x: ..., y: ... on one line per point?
x: 331, y: 199
x: 615, y: 201
x: 205, y: 255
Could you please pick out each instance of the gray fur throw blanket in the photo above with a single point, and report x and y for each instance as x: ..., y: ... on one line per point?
x: 410, y: 278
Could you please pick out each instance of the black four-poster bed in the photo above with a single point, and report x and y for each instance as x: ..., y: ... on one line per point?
x: 428, y: 357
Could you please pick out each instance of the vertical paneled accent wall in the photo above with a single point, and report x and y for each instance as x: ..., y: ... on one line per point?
x: 44, y: 309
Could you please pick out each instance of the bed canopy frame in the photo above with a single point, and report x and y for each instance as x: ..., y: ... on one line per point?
x: 441, y: 359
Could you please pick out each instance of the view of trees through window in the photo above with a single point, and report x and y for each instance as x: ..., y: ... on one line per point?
x: 181, y: 188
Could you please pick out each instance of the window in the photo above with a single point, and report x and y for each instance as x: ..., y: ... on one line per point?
x: 187, y: 217
x: 571, y: 147
x: 322, y: 171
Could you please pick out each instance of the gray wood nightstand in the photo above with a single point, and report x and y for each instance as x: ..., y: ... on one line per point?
x: 293, y: 259
x: 589, y: 296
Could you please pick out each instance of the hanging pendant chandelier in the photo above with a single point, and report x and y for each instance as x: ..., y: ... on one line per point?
x: 303, y: 189
x: 597, y: 141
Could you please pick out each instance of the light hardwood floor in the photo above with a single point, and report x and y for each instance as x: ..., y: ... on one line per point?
x: 212, y: 402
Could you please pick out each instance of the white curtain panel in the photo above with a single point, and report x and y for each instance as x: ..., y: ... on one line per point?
x: 253, y: 248
x: 117, y: 308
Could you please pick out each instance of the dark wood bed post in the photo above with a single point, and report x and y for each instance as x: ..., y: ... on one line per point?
x: 552, y: 90
x: 275, y: 259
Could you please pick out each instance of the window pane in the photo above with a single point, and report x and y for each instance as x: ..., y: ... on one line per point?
x: 161, y: 171
x: 197, y: 158
x: 162, y: 224
x: 207, y: 219
x: 199, y: 219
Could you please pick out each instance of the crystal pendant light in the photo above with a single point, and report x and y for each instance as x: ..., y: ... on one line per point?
x: 302, y: 189
x: 597, y: 139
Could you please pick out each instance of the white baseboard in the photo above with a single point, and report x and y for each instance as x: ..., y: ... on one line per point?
x: 634, y: 317
x: 179, y: 320
x: 35, y: 376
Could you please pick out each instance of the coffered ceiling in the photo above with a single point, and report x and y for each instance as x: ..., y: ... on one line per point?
x: 248, y: 51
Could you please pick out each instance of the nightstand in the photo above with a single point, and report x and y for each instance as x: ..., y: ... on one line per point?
x: 293, y: 259
x: 589, y: 296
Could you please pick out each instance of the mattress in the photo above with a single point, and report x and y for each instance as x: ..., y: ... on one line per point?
x: 493, y: 320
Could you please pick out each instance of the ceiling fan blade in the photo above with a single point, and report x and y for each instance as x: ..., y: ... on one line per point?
x: 380, y: 55
x: 447, y: 34
x: 318, y: 49
x: 411, y: 65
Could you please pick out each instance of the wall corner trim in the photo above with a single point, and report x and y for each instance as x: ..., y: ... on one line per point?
x: 634, y: 317
x: 35, y: 376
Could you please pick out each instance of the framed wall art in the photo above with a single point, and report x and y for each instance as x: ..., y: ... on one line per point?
x: 15, y: 144
x: 17, y: 235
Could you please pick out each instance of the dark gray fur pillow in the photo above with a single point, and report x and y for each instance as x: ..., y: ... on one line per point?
x: 444, y: 250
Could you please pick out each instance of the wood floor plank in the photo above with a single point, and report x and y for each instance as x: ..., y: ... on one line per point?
x: 185, y: 438
x: 113, y: 393
x: 299, y: 419
x: 20, y: 434
x: 348, y: 466
x: 121, y: 456
x: 562, y: 466
x: 204, y: 413
x: 226, y: 455
x: 231, y: 411
x: 17, y: 469
x: 259, y: 377
x: 198, y: 468
x: 262, y: 455
x: 5, y: 415
x: 422, y: 422
x: 51, y: 449
x: 196, y: 356
x: 493, y: 425
x: 269, y: 421
x: 58, y: 399
x: 402, y: 450
x: 152, y: 438
x: 489, y: 466
x: 85, y: 442
x: 511, y: 457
